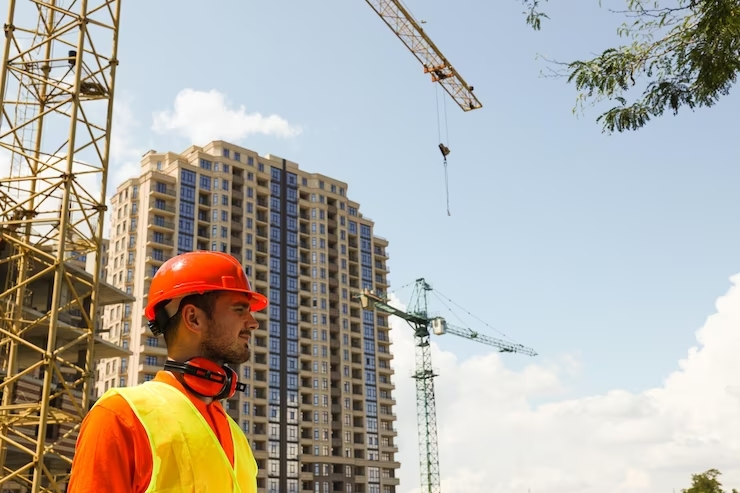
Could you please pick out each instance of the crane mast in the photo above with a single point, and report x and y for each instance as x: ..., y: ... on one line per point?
x: 426, y: 409
x: 426, y: 405
x: 402, y: 23
x: 57, y: 85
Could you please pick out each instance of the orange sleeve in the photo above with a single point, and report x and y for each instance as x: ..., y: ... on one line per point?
x: 112, y: 452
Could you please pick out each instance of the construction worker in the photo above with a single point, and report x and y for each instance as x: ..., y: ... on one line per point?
x: 171, y: 433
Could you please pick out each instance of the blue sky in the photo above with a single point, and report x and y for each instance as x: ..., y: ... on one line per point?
x: 610, y: 249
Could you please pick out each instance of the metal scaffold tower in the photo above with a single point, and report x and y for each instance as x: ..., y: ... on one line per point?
x: 57, y: 86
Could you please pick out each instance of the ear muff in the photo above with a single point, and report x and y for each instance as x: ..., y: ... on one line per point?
x: 207, y: 378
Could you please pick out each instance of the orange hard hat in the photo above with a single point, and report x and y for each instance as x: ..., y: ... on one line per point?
x: 196, y: 273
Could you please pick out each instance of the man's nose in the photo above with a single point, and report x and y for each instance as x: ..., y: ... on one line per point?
x: 252, y: 323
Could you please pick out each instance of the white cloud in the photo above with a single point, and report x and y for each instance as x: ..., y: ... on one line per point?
x: 493, y: 438
x: 125, y: 155
x: 202, y: 116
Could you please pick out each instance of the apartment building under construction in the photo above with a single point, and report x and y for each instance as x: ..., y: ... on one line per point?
x: 318, y: 409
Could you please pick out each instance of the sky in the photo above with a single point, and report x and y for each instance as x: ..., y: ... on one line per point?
x: 613, y: 256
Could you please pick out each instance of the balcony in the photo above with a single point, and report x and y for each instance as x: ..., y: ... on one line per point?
x: 161, y: 239
x: 163, y: 190
x: 155, y: 206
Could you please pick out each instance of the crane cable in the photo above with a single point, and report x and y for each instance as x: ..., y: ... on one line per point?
x: 438, y: 294
x: 444, y: 149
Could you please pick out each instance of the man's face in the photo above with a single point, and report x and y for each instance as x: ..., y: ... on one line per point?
x: 228, y: 335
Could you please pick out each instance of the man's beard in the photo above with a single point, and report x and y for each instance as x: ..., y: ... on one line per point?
x: 221, y: 350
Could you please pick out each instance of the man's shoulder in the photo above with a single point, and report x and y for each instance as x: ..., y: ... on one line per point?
x: 111, y: 405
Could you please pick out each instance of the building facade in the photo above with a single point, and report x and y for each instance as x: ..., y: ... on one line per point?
x: 318, y: 410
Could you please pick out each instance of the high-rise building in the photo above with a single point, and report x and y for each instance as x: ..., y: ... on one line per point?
x: 318, y: 409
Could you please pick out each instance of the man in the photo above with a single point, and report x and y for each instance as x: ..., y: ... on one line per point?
x: 171, y: 434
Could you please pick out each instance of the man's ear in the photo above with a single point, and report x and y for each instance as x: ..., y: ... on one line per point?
x: 193, y: 318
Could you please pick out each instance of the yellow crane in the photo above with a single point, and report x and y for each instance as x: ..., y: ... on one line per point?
x: 408, y: 30
x: 57, y: 85
x: 402, y: 23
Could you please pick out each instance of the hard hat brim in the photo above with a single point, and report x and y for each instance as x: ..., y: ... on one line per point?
x: 257, y: 301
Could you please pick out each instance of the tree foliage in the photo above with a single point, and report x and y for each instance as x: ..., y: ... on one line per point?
x: 706, y: 482
x: 686, y: 54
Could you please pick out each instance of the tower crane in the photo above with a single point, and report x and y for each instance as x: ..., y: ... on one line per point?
x: 57, y: 85
x: 402, y: 23
x: 426, y: 412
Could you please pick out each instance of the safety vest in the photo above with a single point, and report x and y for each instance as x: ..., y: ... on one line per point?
x: 186, y: 455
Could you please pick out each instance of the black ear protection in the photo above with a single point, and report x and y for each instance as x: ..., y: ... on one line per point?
x: 160, y: 319
x: 207, y: 378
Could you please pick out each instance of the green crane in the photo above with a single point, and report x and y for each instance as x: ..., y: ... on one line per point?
x: 426, y: 412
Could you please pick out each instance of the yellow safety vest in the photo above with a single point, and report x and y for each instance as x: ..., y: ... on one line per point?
x: 186, y: 455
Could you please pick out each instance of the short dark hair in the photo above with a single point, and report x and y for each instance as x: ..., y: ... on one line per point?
x: 205, y: 301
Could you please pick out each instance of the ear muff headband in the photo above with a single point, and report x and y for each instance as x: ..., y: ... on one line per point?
x: 207, y: 378
x: 160, y: 319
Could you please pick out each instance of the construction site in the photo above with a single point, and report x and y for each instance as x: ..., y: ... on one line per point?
x: 75, y: 270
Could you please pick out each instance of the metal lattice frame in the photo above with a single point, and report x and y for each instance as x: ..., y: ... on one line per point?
x: 412, y: 35
x: 426, y: 415
x: 426, y: 407
x: 57, y: 87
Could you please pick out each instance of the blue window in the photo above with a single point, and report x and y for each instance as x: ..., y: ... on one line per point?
x: 292, y: 195
x: 187, y: 193
x: 184, y: 243
x: 274, y: 311
x: 369, y: 346
x: 187, y: 177
x: 292, y: 284
x: 274, y: 329
x: 292, y: 328
x: 274, y: 296
x: 186, y: 210
x: 186, y: 225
